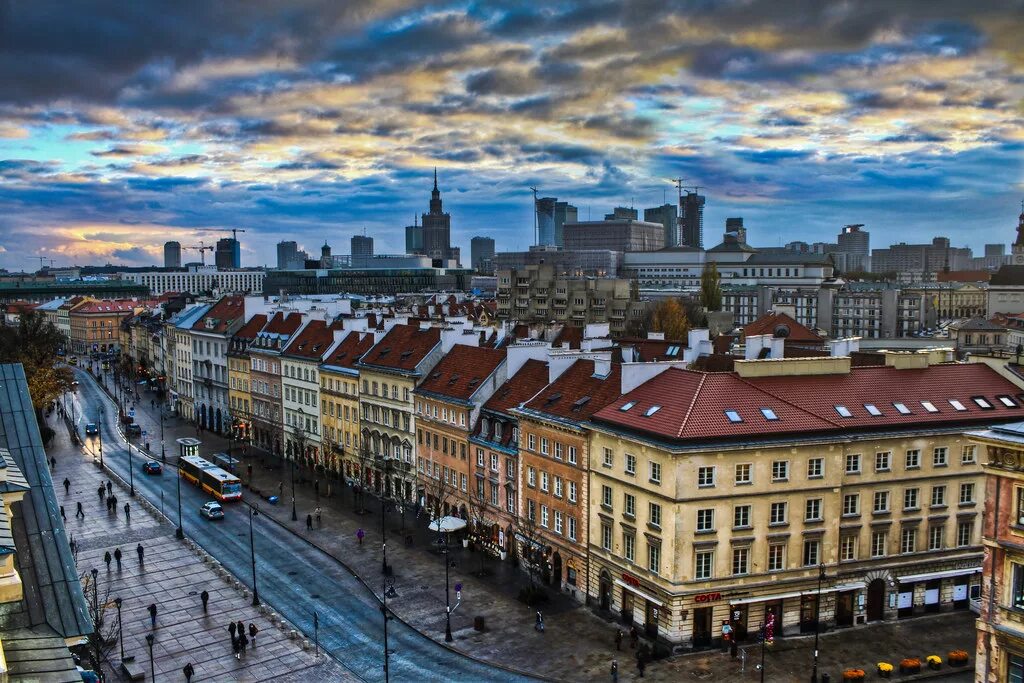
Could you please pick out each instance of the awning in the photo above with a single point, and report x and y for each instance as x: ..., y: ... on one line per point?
x: 646, y: 596
x: 792, y: 594
x: 448, y: 524
x: 852, y: 586
x: 911, y: 578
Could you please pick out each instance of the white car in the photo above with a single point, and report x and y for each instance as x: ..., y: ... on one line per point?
x: 212, y: 510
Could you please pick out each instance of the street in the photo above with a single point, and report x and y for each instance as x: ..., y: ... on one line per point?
x: 293, y: 576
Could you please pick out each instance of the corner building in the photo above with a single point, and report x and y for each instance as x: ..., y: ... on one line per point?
x: 721, y: 496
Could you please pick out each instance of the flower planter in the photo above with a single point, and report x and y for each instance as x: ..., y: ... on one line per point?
x: 910, y: 669
x: 853, y: 676
x: 956, y: 662
x: 884, y: 674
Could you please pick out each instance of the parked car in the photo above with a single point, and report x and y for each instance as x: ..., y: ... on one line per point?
x: 212, y: 510
x: 133, y: 429
x: 151, y: 467
x: 73, y: 360
x: 92, y: 429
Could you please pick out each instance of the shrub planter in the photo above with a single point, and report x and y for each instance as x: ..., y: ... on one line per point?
x: 957, y: 658
x: 853, y: 675
x: 911, y: 665
x: 885, y: 670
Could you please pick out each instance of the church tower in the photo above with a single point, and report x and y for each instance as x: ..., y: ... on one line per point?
x: 1017, y: 250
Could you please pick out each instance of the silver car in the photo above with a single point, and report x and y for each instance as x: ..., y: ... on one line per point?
x: 212, y: 510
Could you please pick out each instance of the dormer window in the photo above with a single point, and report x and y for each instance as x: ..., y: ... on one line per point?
x: 497, y: 431
x: 485, y: 427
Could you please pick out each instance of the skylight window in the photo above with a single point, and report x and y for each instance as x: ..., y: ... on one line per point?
x: 901, y: 408
x: 957, y: 405
x: 929, y: 406
x: 733, y: 416
x: 982, y: 402
x: 672, y: 351
x: 872, y: 409
x: 581, y: 402
x: 1007, y: 401
x: 626, y: 406
x: 652, y: 410
x: 552, y: 398
x: 769, y: 414
x: 844, y: 411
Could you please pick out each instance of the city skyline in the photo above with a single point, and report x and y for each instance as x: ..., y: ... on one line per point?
x: 322, y: 122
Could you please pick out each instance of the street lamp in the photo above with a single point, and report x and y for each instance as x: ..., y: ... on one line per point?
x: 96, y: 599
x: 152, y: 670
x: 131, y: 468
x: 120, y: 633
x: 817, y: 620
x: 300, y: 435
x: 253, y: 512
x: 163, y: 449
x: 447, y: 598
x: 100, y: 430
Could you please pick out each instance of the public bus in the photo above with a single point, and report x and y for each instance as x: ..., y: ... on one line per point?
x: 210, y: 478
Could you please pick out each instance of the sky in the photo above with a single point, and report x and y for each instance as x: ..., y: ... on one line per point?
x: 126, y: 124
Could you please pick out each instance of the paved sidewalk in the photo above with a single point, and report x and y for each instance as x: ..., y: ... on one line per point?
x: 577, y: 645
x: 171, y: 577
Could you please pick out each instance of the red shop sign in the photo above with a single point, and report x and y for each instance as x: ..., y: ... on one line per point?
x: 707, y: 597
x: 631, y: 580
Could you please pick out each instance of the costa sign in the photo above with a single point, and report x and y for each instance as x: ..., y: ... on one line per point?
x: 707, y: 597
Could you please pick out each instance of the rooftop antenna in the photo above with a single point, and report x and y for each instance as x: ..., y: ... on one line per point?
x: 536, y: 234
x: 679, y: 186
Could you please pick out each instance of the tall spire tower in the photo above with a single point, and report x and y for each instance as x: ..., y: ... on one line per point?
x: 437, y: 228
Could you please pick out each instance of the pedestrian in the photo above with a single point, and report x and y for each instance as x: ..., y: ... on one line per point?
x: 240, y: 627
x: 359, y: 535
x: 110, y: 503
x: 53, y: 463
x: 113, y: 504
x: 236, y: 647
x: 101, y: 491
x: 252, y: 633
x: 726, y: 636
x: 243, y: 641
x: 67, y: 486
x: 152, y: 614
x: 205, y: 597
x: 231, y: 627
x: 539, y: 624
x: 634, y: 637
x: 79, y: 512
x: 618, y: 639
x: 62, y: 515
x: 106, y: 558
x: 733, y: 646
x: 127, y: 513
x: 640, y: 666
x: 117, y: 558
x: 316, y: 487
x: 189, y: 672
x: 110, y: 488
x: 309, y: 522
x: 615, y: 671
x: 280, y: 489
x: 318, y: 517
x: 140, y: 552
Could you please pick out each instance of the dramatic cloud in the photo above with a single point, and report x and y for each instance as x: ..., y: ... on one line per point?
x: 126, y: 124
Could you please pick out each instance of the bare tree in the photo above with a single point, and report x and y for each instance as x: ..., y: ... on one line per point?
x: 478, y: 512
x: 527, y: 529
x: 103, y: 614
x: 438, y: 494
x: 364, y: 458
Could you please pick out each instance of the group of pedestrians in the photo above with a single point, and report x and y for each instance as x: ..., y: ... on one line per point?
x: 239, y: 640
x: 642, y: 653
x: 139, y: 550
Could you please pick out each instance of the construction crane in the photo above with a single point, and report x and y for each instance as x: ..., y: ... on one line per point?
x: 42, y: 259
x: 536, y: 234
x: 202, y: 249
x: 234, y: 232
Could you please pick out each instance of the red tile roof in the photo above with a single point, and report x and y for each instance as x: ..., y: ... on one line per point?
x: 577, y: 393
x: 350, y: 350
x: 772, y: 322
x: 522, y: 386
x: 573, y: 336
x: 250, y: 329
x: 224, y: 313
x: 312, y: 342
x: 462, y: 371
x: 283, y: 323
x: 403, y: 347
x: 105, y: 306
x: 693, y: 404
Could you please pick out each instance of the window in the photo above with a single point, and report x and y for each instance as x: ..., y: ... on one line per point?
x: 558, y: 451
x: 938, y: 496
x: 881, y: 503
x: 572, y: 528
x: 703, y: 564
x: 630, y: 464
x: 705, y: 476
x: 531, y: 442
x: 479, y: 455
x: 655, y: 468
x: 531, y: 476
x: 851, y: 504
x: 967, y: 456
x: 740, y: 561
x: 705, y: 520
x: 908, y: 540
x: 769, y: 415
x: 940, y: 457
x: 630, y: 500
x: 967, y: 494
x: 815, y: 468
x: 964, y: 531
x: 655, y: 514
x: 743, y: 474
x: 653, y: 557
x: 878, y: 541
x: 872, y: 409
x: 558, y: 521
x: 778, y: 513
x: 847, y: 548
x: 531, y: 510
x: 883, y: 461
x: 913, y: 459
x: 544, y: 481
x: 606, y: 496
x: 544, y: 445
x: 606, y: 537
x: 494, y: 462
x: 780, y: 470
x: 1020, y: 506
x: 901, y: 408
x: 852, y: 464
x: 929, y: 406
x: 544, y: 516
x: 741, y: 517
x: 910, y: 499
x: 629, y: 546
x: 982, y: 402
x: 572, y: 492
x: 843, y: 411
x: 609, y: 457
x: 558, y: 487
x: 733, y: 416
x: 572, y: 455
x: 812, y: 512
x: 957, y: 405
x: 935, y: 538
x: 776, y: 557
x: 812, y: 553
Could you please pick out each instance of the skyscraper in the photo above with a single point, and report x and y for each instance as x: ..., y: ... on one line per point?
x: 667, y: 215
x: 172, y: 254
x: 564, y: 213
x: 735, y: 225
x: 413, y: 239
x: 289, y: 257
x: 437, y: 228
x: 854, y: 242
x: 622, y: 212
x: 546, y: 221
x: 228, y: 254
x: 362, y: 245
x: 481, y: 250
x: 691, y: 220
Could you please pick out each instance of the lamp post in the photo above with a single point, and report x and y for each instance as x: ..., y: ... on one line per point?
x: 817, y: 622
x: 764, y: 637
x: 163, y: 448
x: 131, y: 468
x: 120, y: 633
x: 447, y: 599
x: 152, y: 669
x: 253, y: 512
x: 300, y: 436
x: 100, y: 430
x: 96, y: 598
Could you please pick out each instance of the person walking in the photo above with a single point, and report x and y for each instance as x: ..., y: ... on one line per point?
x: 539, y: 624
x: 280, y: 489
x: 618, y: 639
x: 152, y: 614
x: 231, y: 627
x: 113, y: 504
x: 117, y: 558
x: 189, y: 672
x: 236, y: 647
x: 615, y: 671
x: 101, y: 490
x: 205, y: 597
x: 240, y: 627
x: 640, y: 666
x: 634, y: 637
x: 243, y: 642
x: 309, y: 522
x: 67, y: 486
x: 127, y: 513
x: 53, y: 463
x: 79, y: 512
x: 252, y: 633
x: 62, y: 515
x: 140, y: 552
x: 110, y: 502
x: 106, y: 558
x: 110, y: 488
x: 318, y: 517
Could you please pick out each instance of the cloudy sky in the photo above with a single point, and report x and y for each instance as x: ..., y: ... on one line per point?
x: 125, y: 124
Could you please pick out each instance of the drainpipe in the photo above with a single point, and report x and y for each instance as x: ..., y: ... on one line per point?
x: 586, y: 594
x: 992, y: 585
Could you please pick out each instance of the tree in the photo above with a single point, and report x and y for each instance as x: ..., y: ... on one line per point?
x: 711, y: 288
x: 34, y: 343
x: 438, y: 494
x: 478, y: 512
x: 668, y: 317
